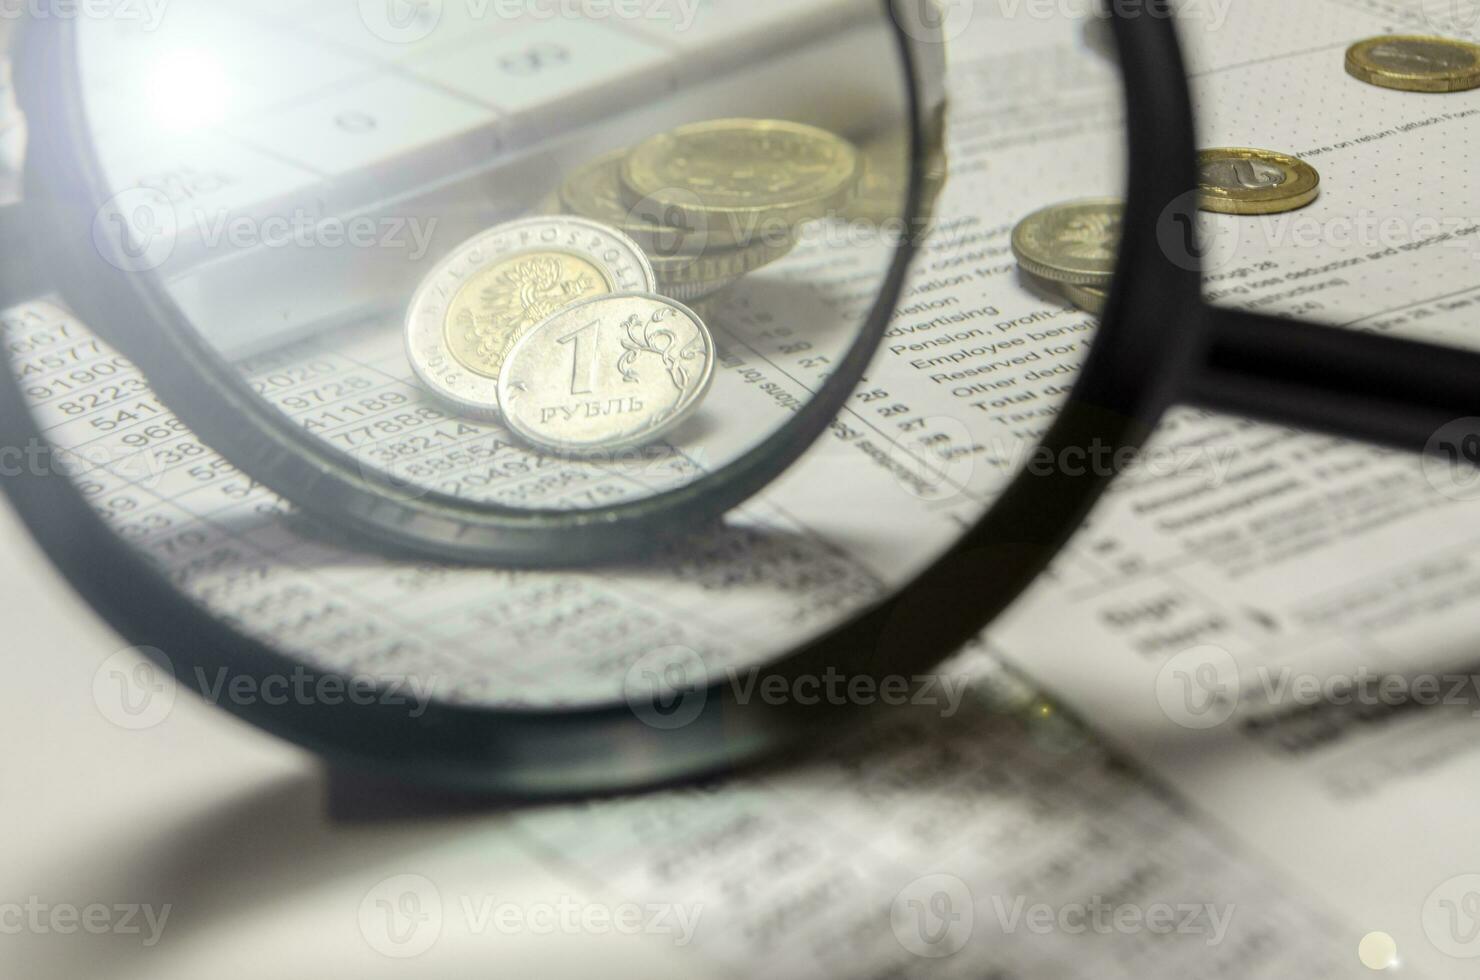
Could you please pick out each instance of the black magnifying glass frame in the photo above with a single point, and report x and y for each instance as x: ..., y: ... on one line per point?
x: 1158, y: 343
x: 1124, y: 387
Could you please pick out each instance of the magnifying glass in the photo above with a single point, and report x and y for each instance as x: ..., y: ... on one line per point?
x: 512, y: 402
x: 466, y: 175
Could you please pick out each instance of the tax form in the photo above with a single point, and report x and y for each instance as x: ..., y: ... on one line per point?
x: 1285, y: 629
x: 804, y: 872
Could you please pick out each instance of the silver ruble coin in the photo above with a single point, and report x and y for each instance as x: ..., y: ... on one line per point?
x: 496, y: 287
x: 607, y: 375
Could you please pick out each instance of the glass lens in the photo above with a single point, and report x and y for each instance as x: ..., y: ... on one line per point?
x: 514, y: 253
x: 570, y: 257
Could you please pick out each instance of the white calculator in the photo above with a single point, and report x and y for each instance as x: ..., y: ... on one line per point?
x: 466, y: 110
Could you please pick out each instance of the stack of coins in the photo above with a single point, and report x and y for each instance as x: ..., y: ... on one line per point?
x: 1415, y: 64
x: 1069, y: 250
x: 570, y: 328
x: 714, y: 201
x: 551, y: 324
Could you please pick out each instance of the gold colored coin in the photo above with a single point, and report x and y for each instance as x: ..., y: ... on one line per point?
x: 1075, y: 242
x: 502, y: 302
x: 1411, y: 63
x: 736, y: 180
x: 1238, y: 180
x: 595, y: 192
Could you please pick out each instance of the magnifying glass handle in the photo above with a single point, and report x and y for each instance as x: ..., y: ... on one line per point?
x: 1366, y: 386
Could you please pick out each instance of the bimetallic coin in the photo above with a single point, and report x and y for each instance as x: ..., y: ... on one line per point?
x: 607, y: 375
x: 1238, y: 180
x: 1415, y: 64
x: 501, y: 301
x: 497, y: 286
x: 735, y: 180
x: 1074, y: 242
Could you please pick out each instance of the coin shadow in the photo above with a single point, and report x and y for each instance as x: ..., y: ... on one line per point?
x: 694, y: 430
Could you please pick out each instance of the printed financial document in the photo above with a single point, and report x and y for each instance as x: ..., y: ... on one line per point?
x: 1286, y: 630
x: 989, y: 819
